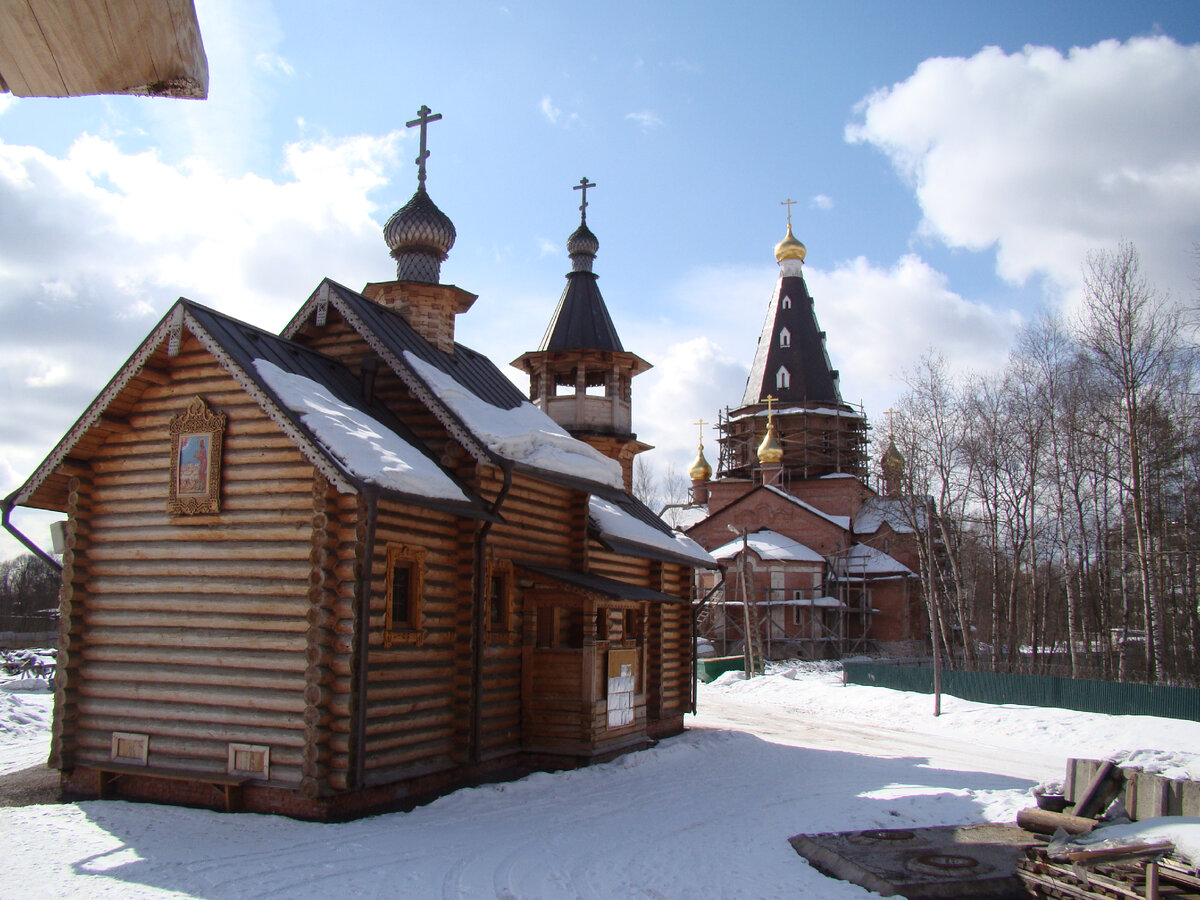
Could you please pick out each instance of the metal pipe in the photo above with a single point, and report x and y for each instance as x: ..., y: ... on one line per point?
x: 26, y: 542
x: 363, y: 638
x: 479, y: 618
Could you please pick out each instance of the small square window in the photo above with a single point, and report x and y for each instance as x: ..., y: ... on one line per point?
x: 249, y: 759
x: 405, y: 587
x: 130, y: 748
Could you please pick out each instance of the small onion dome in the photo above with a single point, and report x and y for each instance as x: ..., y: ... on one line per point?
x: 582, y: 246
x: 770, y: 451
x: 790, y: 248
x: 892, y: 460
x: 420, y: 236
x: 700, y: 470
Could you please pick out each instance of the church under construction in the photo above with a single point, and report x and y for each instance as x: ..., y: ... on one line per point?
x: 818, y: 563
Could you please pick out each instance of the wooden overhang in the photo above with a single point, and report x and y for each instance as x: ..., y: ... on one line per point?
x: 69, y: 48
x: 600, y: 588
x: 235, y: 345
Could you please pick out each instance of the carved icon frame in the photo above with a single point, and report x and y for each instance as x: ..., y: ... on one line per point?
x: 196, y: 440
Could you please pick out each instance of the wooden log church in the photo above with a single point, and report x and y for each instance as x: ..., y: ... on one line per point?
x: 351, y: 565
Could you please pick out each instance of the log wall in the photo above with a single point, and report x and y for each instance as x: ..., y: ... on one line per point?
x: 194, y: 628
x: 411, y: 698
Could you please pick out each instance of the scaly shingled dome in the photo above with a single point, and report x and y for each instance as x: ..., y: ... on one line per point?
x: 420, y: 237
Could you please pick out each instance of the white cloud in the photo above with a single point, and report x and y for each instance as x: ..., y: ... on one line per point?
x: 1046, y: 156
x: 549, y: 110
x: 647, y: 119
x: 6, y: 100
x: 125, y: 234
x: 274, y: 64
x: 821, y: 201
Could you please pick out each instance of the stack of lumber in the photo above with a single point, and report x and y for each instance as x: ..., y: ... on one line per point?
x: 1111, y: 870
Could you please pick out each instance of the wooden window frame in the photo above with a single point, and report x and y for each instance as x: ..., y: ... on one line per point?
x: 503, y: 569
x: 401, y: 556
x: 197, y: 430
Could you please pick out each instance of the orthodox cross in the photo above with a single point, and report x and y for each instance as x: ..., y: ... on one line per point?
x: 770, y: 399
x: 789, y: 203
x: 583, y: 185
x: 702, y: 423
x: 890, y: 413
x: 423, y: 119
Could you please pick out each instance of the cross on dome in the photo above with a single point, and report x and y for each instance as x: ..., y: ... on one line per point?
x: 423, y: 119
x: 583, y: 185
x: 789, y: 203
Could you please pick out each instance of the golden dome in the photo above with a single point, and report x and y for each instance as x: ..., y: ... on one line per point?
x: 770, y: 451
x: 700, y: 470
x: 790, y: 248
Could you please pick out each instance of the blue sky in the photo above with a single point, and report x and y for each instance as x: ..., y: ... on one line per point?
x: 952, y: 163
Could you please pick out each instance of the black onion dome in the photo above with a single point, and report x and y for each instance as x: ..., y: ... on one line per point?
x: 582, y: 246
x: 420, y: 236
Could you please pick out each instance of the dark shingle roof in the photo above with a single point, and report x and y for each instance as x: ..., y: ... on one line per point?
x: 581, y: 321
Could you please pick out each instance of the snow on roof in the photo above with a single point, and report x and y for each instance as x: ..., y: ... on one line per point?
x: 823, y: 411
x: 365, y: 447
x: 612, y: 521
x: 878, y: 511
x: 862, y: 561
x: 523, y: 434
x: 685, y: 518
x: 770, y: 545
x: 842, y: 522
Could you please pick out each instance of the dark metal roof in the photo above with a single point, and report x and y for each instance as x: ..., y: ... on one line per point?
x: 581, y: 321
x: 244, y: 343
x: 598, y: 584
x: 636, y: 508
x: 811, y: 377
x: 471, y: 369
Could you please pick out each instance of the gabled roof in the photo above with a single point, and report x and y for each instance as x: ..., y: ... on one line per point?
x: 237, y: 346
x: 879, y: 511
x: 840, y: 522
x: 624, y: 524
x: 581, y: 320
x: 863, y: 562
x: 769, y: 546
x: 811, y: 378
x: 476, y: 403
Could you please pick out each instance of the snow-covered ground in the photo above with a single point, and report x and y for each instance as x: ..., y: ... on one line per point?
x: 707, y: 813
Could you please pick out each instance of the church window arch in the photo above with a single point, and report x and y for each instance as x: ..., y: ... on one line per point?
x: 785, y: 338
x: 783, y: 378
x: 786, y: 303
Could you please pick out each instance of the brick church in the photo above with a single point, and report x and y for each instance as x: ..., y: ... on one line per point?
x: 818, y: 563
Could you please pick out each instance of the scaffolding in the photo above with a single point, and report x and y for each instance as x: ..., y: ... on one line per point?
x: 816, y: 441
x: 836, y: 625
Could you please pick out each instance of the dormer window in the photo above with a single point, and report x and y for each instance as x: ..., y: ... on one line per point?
x: 783, y: 378
x: 786, y: 302
x: 785, y: 338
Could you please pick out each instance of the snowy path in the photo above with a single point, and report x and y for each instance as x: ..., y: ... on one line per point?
x: 705, y: 814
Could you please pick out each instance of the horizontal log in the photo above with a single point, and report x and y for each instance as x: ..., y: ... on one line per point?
x: 248, y: 660
x: 193, y: 675
x: 213, y: 604
x: 209, y: 584
x: 170, y: 619
x: 216, y: 639
x: 196, y: 696
x: 121, y: 715
x: 214, y: 549
x: 1042, y: 821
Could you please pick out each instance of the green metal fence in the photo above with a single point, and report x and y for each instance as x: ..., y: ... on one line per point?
x: 1119, y: 699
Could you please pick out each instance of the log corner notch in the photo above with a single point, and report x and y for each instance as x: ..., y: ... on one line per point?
x: 71, y: 48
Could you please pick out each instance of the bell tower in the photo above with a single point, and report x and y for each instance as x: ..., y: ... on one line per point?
x: 581, y: 376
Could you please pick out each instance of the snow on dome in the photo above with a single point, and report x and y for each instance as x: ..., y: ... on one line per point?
x: 364, y: 446
x: 770, y: 545
x: 615, y: 522
x: 523, y: 434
